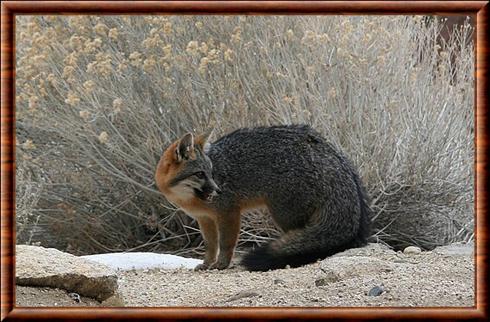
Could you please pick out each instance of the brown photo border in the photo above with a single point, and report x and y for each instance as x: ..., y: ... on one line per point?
x: 11, y: 8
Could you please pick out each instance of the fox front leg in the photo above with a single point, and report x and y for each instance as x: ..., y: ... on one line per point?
x: 228, y: 231
x: 210, y: 235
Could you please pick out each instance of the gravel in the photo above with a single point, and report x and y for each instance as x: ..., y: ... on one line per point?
x: 422, y: 279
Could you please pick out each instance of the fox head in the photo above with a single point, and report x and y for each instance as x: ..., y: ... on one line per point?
x: 185, y: 171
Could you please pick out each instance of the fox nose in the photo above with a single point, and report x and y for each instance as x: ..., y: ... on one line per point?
x: 216, y: 189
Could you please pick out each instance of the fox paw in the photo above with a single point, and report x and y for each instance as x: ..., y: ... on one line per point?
x: 201, y: 267
x: 219, y: 265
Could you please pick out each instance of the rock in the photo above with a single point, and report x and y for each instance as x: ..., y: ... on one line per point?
x: 412, y: 250
x: 321, y: 282
x: 279, y: 281
x: 38, y: 266
x: 376, y: 291
x: 330, y: 277
x: 241, y: 295
x: 456, y: 249
x: 143, y: 261
x: 114, y: 300
x: 75, y: 297
x: 340, y: 268
x: 371, y: 249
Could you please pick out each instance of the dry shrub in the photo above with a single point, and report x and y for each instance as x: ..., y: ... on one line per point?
x: 27, y: 193
x: 101, y: 97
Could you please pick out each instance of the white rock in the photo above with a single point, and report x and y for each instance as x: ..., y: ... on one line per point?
x: 142, y: 260
x: 412, y: 250
x: 49, y: 267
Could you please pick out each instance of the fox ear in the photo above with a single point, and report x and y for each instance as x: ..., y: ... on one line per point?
x: 185, y: 148
x: 202, y: 139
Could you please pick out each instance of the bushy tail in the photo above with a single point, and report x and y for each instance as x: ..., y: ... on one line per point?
x: 298, y: 250
x: 300, y: 247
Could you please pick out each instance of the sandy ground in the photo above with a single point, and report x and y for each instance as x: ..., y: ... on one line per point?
x: 426, y: 279
x: 45, y: 296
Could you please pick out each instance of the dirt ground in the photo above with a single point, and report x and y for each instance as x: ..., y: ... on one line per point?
x: 425, y: 279
x: 45, y: 296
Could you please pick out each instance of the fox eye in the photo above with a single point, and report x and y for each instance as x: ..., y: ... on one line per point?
x: 200, y: 175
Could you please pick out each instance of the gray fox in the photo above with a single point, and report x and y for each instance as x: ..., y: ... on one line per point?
x: 311, y: 190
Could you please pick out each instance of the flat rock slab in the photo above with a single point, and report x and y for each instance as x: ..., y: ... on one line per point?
x: 343, y: 267
x: 49, y: 267
x: 456, y: 249
x: 370, y: 250
x: 130, y: 261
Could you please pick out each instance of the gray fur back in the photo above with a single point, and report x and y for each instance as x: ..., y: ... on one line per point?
x: 288, y: 165
x: 311, y: 189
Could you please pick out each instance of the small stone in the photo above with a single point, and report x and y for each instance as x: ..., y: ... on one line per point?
x: 279, y: 281
x: 376, y: 291
x: 330, y: 277
x: 412, y: 250
x: 75, y: 297
x: 241, y: 295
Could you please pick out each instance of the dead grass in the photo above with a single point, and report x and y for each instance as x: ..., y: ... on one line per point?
x: 101, y: 97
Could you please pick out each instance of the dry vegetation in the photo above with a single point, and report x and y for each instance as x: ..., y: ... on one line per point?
x: 99, y: 98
